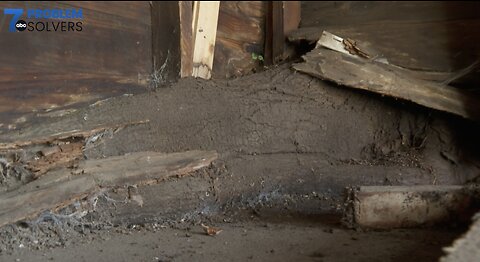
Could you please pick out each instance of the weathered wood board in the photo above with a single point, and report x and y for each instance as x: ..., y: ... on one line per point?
x: 64, y: 186
x: 144, y: 167
x: 292, y: 15
x: 204, y: 35
x: 40, y: 152
x: 388, y: 80
x: 186, y: 38
x: 63, y: 155
x: 112, y: 55
x: 274, y: 32
x: 67, y: 132
x: 241, y: 30
x: 423, y: 35
x: 241, y: 33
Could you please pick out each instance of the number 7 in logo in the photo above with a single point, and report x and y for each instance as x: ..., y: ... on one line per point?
x: 16, y: 15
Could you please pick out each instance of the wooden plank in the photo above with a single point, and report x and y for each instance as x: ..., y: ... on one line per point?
x: 269, y: 34
x: 424, y: 46
x: 65, y: 155
x: 427, y: 35
x: 63, y: 187
x: 275, y: 38
x: 186, y: 38
x: 195, y: 9
x: 291, y: 16
x: 205, y: 33
x: 47, y: 70
x: 388, y: 80
x: 322, y: 38
x: 68, y: 132
x: 166, y: 42
x: 144, y: 167
x: 388, y: 207
x: 278, y: 38
x: 377, y: 12
x: 21, y: 204
x: 240, y: 33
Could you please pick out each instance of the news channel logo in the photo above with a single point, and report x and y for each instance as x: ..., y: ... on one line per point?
x: 45, y: 20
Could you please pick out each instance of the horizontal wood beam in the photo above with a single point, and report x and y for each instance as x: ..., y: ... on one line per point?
x: 63, y: 187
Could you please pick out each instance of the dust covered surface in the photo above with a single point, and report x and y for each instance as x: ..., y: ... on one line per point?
x: 287, y: 238
x: 289, y: 144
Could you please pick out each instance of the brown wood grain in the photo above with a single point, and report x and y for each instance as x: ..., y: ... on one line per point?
x: 186, y: 38
x: 274, y: 32
x: 47, y: 70
x: 389, y: 80
x: 205, y: 35
x: 61, y: 187
x: 291, y: 16
x: 55, y: 192
x: 240, y: 33
x: 144, y: 167
x: 278, y: 37
x: 42, y: 135
x: 422, y: 35
x: 268, y: 49
x: 64, y: 155
x: 166, y: 42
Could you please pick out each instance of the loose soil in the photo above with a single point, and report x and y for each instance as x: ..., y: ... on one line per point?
x: 289, y: 144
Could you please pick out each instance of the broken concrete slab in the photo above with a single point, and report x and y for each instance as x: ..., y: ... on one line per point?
x: 385, y: 207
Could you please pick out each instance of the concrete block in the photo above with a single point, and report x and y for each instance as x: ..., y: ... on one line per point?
x: 385, y: 207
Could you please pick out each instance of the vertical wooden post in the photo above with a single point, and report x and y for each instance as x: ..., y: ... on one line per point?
x: 186, y: 38
x: 278, y: 38
x: 205, y: 14
x: 274, y: 33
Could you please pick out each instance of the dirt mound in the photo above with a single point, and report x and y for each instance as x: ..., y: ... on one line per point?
x: 288, y: 143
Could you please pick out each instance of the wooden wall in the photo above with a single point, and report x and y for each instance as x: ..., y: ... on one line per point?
x: 46, y: 70
x: 121, y: 49
x: 165, y: 42
x: 240, y: 32
x: 424, y: 35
